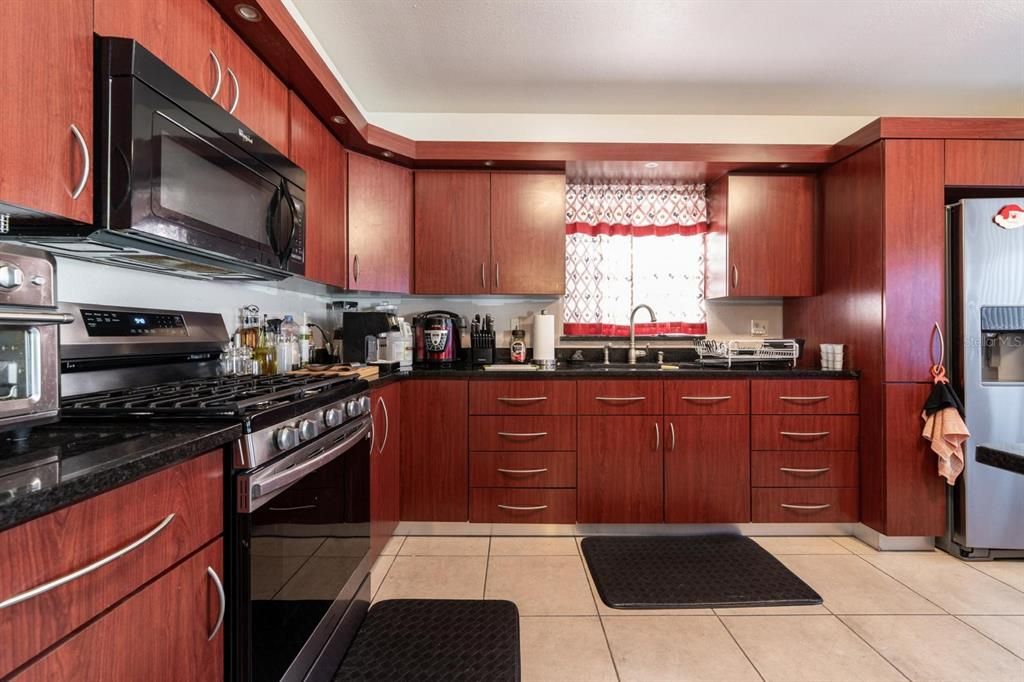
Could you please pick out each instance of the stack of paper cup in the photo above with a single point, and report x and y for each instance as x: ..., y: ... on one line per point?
x: 832, y: 356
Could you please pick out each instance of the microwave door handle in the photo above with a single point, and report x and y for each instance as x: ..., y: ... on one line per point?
x: 287, y: 251
x: 272, y: 213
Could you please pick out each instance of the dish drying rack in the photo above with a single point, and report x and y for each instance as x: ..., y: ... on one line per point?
x: 717, y: 352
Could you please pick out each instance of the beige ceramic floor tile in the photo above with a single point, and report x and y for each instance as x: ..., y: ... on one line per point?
x: 1010, y: 572
x: 569, y: 649
x: 268, y: 579
x: 320, y: 578
x: 816, y: 610
x: 848, y: 584
x: 541, y: 585
x: 353, y: 547
x: 676, y: 649
x: 807, y: 648
x: 517, y: 546
x: 605, y: 610
x: 1007, y: 630
x: 801, y: 545
x: 855, y: 545
x: 393, y: 545
x: 937, y: 648
x: 445, y: 546
x: 951, y: 583
x: 379, y: 571
x: 421, y: 577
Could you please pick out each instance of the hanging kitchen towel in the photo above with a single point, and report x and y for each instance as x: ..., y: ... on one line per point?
x: 944, y: 427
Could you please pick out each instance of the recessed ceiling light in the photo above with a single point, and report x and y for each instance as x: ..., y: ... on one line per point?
x: 386, y: 154
x: 340, y: 120
x: 651, y: 164
x: 488, y: 163
x: 248, y: 12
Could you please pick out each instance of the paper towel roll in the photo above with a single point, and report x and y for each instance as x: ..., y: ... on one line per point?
x: 543, y: 336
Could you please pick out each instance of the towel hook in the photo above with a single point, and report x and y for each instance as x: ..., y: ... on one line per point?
x: 942, y: 348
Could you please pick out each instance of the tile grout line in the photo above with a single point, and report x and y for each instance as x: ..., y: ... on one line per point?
x: 897, y: 580
x: 872, y: 647
x: 971, y: 564
x: 487, y: 567
x: 738, y: 645
x: 983, y: 634
x: 600, y: 618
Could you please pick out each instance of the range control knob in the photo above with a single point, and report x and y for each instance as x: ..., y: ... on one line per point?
x: 307, y: 429
x: 286, y: 437
x: 365, y: 405
x: 11, y: 276
x: 352, y: 408
x: 333, y: 416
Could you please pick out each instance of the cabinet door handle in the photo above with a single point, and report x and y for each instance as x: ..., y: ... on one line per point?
x: 804, y: 398
x: 238, y: 91
x: 483, y: 275
x: 220, y: 75
x: 355, y: 268
x: 735, y: 277
x: 507, y: 434
x: 707, y: 398
x: 805, y: 507
x: 85, y: 570
x: 497, y: 275
x: 86, y: 162
x: 791, y: 470
x: 798, y: 434
x: 522, y: 471
x: 223, y: 601
x: 510, y: 507
x: 657, y: 436
x: 535, y: 399
x: 630, y: 399
x: 387, y: 424
x: 672, y: 435
x: 301, y: 507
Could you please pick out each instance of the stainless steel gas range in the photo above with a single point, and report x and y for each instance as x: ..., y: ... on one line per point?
x: 298, y: 503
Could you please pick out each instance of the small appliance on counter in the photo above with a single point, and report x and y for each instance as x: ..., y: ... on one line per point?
x: 437, y: 339
x: 357, y: 325
x: 481, y: 339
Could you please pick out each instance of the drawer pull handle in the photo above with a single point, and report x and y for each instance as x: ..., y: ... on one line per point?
x: 301, y: 507
x: 536, y: 399
x: 630, y: 399
x: 806, y: 507
x: 804, y: 398
x: 522, y: 471
x: 509, y: 507
x: 96, y: 565
x: 790, y: 470
x: 800, y: 434
x: 507, y: 434
x: 223, y: 601
x: 703, y: 398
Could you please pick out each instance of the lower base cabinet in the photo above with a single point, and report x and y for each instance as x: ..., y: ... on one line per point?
x: 169, y: 630
x: 804, y: 505
x: 385, y: 477
x: 620, y: 469
x: 522, y: 505
x: 707, y: 469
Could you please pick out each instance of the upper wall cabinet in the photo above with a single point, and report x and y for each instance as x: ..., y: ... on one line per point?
x: 46, y: 117
x: 490, y: 233
x: 985, y: 163
x: 192, y: 39
x: 323, y: 158
x: 762, y: 239
x: 379, y: 225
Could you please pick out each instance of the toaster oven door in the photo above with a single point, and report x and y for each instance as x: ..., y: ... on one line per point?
x: 29, y: 373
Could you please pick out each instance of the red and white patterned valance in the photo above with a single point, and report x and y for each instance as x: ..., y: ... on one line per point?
x: 634, y: 243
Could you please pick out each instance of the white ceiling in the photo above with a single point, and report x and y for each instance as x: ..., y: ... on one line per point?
x: 768, y: 57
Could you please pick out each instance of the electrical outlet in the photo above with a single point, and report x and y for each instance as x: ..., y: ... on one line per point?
x: 759, y: 327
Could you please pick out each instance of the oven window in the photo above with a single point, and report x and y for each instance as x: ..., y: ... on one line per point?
x: 200, y: 183
x: 306, y: 544
x: 19, y: 364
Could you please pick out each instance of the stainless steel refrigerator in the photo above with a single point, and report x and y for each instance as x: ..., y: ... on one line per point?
x: 986, y: 358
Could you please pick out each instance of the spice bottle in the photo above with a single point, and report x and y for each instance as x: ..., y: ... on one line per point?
x: 518, y: 346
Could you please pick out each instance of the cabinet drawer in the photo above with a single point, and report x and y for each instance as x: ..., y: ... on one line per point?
x: 522, y: 469
x: 796, y: 432
x: 522, y: 505
x: 800, y: 469
x: 598, y: 396
x: 522, y: 397
x: 803, y: 505
x: 804, y: 396
x: 170, y: 514
x: 522, y: 433
x: 728, y: 396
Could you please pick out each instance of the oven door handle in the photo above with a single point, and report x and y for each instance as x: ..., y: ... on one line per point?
x: 262, y: 487
x: 24, y: 318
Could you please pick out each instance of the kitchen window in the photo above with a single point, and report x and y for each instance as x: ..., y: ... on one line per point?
x: 627, y: 244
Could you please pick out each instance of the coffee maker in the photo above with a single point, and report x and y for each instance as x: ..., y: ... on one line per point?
x: 437, y: 339
x: 357, y: 325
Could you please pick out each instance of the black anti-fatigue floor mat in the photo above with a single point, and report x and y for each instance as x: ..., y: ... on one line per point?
x: 691, y: 572
x: 436, y: 639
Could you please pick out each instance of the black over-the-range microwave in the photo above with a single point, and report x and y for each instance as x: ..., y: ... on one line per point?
x: 182, y: 186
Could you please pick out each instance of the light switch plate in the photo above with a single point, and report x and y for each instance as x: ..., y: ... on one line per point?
x: 759, y: 327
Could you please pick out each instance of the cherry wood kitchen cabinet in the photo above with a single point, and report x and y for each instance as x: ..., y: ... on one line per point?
x: 380, y: 201
x: 620, y: 469
x: 384, y: 465
x: 46, y: 121
x: 435, y: 460
x: 527, y: 233
x: 453, y: 233
x: 522, y: 505
x: 170, y: 625
x: 762, y: 237
x: 984, y: 163
x: 707, y: 469
x: 323, y: 158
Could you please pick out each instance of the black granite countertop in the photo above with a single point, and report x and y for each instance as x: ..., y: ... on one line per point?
x: 1008, y: 457
x: 76, y: 459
